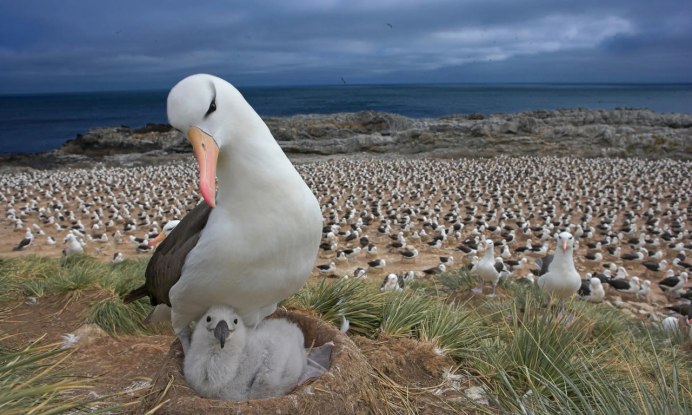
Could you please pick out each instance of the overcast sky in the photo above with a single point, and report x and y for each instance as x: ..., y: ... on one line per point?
x: 48, y: 46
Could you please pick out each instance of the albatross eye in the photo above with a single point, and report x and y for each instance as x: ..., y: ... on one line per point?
x: 235, y: 321
x: 212, y: 107
x: 208, y: 319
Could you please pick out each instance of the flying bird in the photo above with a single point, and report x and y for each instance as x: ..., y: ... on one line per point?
x: 254, y: 240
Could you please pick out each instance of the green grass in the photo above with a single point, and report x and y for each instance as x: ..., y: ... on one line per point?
x: 31, y: 382
x: 530, y: 356
x: 76, y: 275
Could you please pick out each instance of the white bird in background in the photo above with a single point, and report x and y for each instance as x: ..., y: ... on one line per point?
x: 485, y: 268
x: 26, y: 241
x: 254, y: 242
x: 167, y: 229
x: 227, y: 360
x: 73, y: 245
x: 562, y: 279
x: 392, y: 282
x: 595, y: 293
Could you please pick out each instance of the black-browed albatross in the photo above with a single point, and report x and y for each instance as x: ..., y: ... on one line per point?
x: 258, y: 243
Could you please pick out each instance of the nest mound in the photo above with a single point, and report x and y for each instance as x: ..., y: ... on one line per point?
x: 346, y: 388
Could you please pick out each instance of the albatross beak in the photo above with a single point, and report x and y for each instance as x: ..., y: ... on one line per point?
x: 221, y: 332
x: 153, y: 242
x: 564, y: 245
x: 206, y: 151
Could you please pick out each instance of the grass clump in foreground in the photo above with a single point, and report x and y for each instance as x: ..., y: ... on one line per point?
x: 99, y: 284
x: 31, y: 383
x: 588, y: 359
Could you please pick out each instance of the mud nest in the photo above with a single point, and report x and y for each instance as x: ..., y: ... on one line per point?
x: 348, y: 387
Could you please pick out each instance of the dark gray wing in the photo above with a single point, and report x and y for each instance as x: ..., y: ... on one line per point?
x: 545, y: 264
x: 166, y: 265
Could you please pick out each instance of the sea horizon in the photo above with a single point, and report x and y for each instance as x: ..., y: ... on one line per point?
x: 348, y: 84
x: 39, y: 122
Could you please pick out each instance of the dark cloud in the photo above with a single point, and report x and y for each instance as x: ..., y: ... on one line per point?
x: 77, y: 45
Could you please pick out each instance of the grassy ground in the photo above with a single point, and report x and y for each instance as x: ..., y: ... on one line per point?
x: 532, y: 358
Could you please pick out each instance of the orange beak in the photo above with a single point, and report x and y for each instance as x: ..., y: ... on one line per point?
x: 153, y: 242
x: 207, y: 152
x: 564, y: 245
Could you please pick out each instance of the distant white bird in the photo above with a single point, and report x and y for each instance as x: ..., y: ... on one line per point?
x: 485, y: 268
x: 392, y: 282
x: 227, y: 360
x: 595, y: 292
x: 672, y: 283
x: 562, y: 279
x: 73, y: 245
x: 326, y: 268
x: 118, y: 257
x: 644, y: 290
x: 167, y: 229
x: 24, y: 243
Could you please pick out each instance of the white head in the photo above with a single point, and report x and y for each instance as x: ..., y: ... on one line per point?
x: 167, y: 229
x: 565, y: 242
x: 392, y: 279
x: 212, y: 114
x: 595, y: 282
x: 218, y: 325
x: 170, y: 225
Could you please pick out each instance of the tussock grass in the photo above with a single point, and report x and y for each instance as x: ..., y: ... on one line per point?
x: 75, y: 275
x: 453, y: 330
x: 31, y: 383
x: 458, y: 280
x: 350, y: 299
x: 532, y: 357
x: 403, y: 313
x: 115, y: 317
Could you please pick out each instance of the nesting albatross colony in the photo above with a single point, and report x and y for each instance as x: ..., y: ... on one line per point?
x: 395, y: 284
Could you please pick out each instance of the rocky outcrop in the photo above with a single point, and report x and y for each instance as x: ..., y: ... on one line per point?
x: 577, y: 132
x: 568, y: 132
x: 101, y: 142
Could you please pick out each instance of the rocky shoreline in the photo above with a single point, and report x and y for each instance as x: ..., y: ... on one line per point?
x: 569, y: 132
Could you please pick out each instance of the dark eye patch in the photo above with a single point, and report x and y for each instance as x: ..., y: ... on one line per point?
x: 208, y: 319
x: 235, y: 321
x: 212, y: 107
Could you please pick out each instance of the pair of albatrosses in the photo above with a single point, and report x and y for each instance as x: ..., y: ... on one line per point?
x: 253, y: 240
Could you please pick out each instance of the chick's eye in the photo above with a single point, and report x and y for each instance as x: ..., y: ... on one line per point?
x: 235, y: 321
x: 208, y: 319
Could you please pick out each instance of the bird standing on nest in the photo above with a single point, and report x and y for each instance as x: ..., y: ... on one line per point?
x: 254, y: 239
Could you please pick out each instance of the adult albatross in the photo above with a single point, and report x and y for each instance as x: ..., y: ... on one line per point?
x: 253, y: 241
x: 562, y: 279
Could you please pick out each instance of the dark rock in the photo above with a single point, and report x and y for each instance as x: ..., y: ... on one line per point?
x: 565, y: 132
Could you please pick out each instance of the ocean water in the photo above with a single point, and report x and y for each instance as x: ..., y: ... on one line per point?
x: 37, y: 123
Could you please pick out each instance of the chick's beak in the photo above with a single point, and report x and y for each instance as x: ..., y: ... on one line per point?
x: 221, y: 332
x: 206, y: 152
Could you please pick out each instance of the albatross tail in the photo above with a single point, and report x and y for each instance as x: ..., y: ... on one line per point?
x: 136, y: 294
